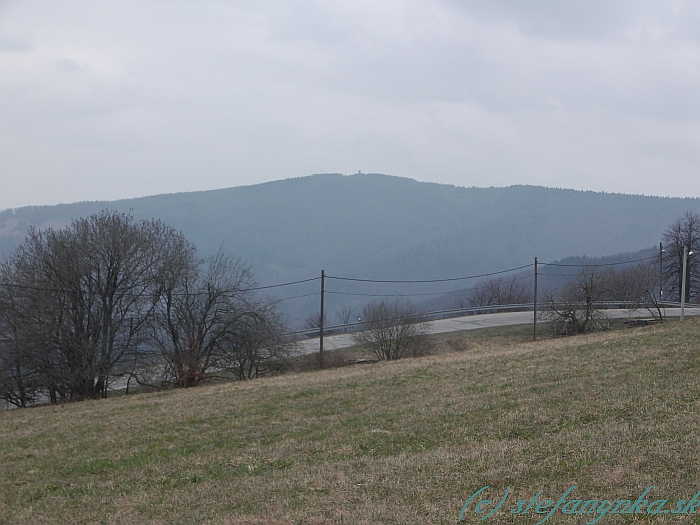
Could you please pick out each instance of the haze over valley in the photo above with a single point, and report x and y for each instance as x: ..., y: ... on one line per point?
x: 372, y: 226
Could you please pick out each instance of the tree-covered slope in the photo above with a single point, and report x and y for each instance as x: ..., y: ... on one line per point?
x: 383, y: 227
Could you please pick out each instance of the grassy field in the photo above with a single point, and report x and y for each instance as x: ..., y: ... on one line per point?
x: 403, y: 443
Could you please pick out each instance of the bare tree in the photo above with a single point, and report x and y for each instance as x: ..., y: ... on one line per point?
x: 257, y: 347
x: 86, y: 291
x: 313, y: 322
x: 499, y: 291
x: 208, y: 321
x: 635, y: 287
x: 683, y: 234
x: 391, y: 329
x: 19, y: 384
x: 495, y: 291
x: 576, y: 308
x: 345, y: 315
x: 195, y: 313
x: 109, y: 296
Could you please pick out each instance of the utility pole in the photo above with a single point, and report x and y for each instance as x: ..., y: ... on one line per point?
x: 685, y: 265
x: 320, y: 323
x: 534, y: 320
x: 661, y: 272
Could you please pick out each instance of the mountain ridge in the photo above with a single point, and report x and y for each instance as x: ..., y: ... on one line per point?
x: 375, y: 226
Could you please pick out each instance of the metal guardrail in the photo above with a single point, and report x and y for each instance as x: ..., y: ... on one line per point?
x: 474, y: 310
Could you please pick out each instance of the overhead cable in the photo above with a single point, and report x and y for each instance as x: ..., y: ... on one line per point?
x: 428, y: 280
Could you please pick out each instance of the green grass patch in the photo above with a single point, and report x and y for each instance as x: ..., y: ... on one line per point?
x: 401, y: 442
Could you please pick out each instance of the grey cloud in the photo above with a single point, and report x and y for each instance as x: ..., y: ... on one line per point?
x: 183, y: 95
x: 13, y: 44
x: 69, y: 65
x: 599, y: 20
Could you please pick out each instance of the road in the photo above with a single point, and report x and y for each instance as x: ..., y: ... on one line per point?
x: 469, y: 322
x: 472, y: 322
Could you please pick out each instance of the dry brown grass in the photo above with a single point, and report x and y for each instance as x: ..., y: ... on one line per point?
x: 404, y: 442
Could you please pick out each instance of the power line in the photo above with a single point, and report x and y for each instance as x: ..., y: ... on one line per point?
x: 352, y: 279
x: 177, y: 294
x: 280, y: 285
x: 602, y: 264
x: 391, y: 294
x: 428, y: 280
x: 295, y: 297
x: 461, y: 290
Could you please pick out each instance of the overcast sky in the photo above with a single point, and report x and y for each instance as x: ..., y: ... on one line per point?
x: 107, y: 100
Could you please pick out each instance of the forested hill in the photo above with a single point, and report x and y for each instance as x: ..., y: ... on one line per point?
x: 383, y: 227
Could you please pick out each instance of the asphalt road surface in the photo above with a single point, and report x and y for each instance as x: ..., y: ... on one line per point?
x: 472, y: 322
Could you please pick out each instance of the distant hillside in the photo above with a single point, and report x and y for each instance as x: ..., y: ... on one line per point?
x: 550, y: 277
x: 382, y: 227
